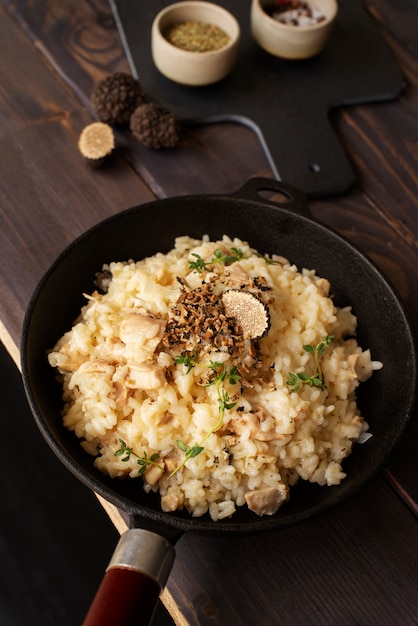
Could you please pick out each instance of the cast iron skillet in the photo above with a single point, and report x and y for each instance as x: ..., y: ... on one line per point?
x: 285, y: 227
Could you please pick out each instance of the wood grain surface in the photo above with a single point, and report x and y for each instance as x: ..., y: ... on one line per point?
x: 356, y: 565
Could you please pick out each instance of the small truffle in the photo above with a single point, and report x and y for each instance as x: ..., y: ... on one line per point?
x: 250, y: 313
x: 116, y: 97
x: 155, y: 126
x: 96, y: 143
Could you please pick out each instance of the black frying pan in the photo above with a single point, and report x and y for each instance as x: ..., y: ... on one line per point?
x: 143, y: 558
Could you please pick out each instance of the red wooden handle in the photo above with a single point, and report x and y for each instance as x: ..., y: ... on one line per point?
x: 137, y: 572
x: 125, y: 597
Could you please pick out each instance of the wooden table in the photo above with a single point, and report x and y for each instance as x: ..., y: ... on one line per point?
x: 357, y: 564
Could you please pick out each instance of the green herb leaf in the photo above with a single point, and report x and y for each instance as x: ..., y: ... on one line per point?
x: 233, y: 375
x: 189, y: 359
x: 182, y: 446
x: 224, y: 401
x: 143, y: 461
x: 218, y: 257
x: 295, y: 381
x: 197, y: 265
x: 195, y: 451
x: 266, y: 258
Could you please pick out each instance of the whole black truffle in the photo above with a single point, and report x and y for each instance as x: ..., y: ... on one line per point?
x: 116, y: 97
x: 155, y: 126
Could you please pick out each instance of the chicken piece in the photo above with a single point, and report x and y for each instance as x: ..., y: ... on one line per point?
x: 236, y: 276
x: 147, y: 376
x: 114, y: 348
x: 171, y: 462
x: 254, y: 421
x: 67, y: 359
x: 170, y: 502
x: 142, y: 329
x: 153, y: 474
x: 97, y: 366
x: 121, y: 394
x: 266, y: 501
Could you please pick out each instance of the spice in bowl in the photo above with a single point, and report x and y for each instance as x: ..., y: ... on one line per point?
x: 290, y: 29
x: 294, y: 13
x: 197, y: 36
x: 194, y: 43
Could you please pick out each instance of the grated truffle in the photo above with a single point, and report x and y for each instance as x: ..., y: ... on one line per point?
x: 96, y: 143
x: 155, y: 127
x: 251, y: 314
x: 116, y: 97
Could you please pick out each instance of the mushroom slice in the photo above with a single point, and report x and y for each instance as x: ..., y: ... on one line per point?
x: 251, y: 314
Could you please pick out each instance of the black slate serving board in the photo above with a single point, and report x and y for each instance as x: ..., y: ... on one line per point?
x: 287, y: 103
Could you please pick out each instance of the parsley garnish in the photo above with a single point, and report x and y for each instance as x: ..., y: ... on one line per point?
x: 295, y: 381
x: 143, y: 461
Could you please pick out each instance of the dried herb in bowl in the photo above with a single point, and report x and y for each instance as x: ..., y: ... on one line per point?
x: 197, y: 36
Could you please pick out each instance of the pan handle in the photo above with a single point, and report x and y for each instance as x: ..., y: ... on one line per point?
x: 290, y: 197
x: 134, y: 578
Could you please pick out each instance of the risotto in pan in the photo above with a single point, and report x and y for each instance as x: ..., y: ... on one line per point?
x: 215, y: 375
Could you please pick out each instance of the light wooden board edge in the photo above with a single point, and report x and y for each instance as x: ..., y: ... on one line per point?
x: 9, y: 344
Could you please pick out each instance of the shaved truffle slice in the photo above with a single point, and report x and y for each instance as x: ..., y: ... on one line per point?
x: 251, y: 314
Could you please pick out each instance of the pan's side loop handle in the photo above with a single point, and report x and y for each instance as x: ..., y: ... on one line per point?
x: 288, y: 197
x: 134, y: 578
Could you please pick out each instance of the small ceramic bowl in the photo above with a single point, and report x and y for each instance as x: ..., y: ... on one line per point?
x: 292, y: 41
x: 189, y: 67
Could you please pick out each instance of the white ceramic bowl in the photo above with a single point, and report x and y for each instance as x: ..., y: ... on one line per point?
x: 194, y: 68
x: 288, y: 41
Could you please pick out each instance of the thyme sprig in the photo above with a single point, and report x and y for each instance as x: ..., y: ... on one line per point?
x: 189, y: 359
x: 295, y: 381
x: 266, y: 258
x: 218, y: 257
x: 143, y: 461
x: 221, y: 374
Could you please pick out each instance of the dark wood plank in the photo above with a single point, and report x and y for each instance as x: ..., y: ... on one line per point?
x: 84, y: 44
x: 49, y: 195
x: 356, y: 565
